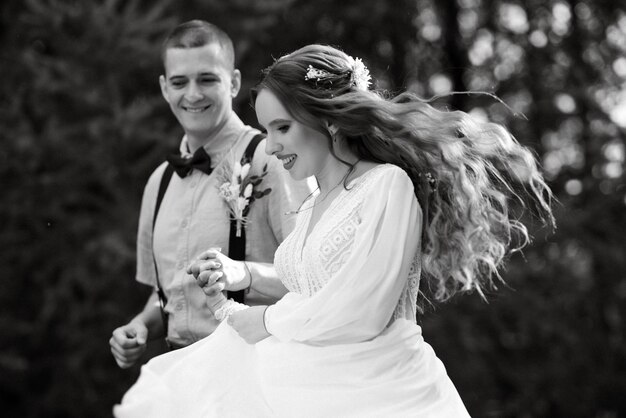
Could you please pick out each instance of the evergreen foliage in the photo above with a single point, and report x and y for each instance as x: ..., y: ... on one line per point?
x: 83, y: 124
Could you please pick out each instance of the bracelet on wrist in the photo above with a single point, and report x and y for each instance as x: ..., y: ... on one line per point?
x: 265, y: 326
x: 247, y: 290
x: 227, y: 309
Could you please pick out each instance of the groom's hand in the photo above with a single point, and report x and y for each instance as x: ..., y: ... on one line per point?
x: 128, y: 343
x: 216, y: 272
x: 249, y: 324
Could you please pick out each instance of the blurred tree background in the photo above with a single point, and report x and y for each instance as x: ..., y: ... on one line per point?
x: 82, y: 125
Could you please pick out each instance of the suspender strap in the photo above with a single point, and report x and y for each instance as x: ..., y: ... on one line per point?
x: 237, y: 244
x: 165, y: 181
x: 248, y: 154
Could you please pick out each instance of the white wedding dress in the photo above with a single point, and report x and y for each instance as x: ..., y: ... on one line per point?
x: 344, y: 339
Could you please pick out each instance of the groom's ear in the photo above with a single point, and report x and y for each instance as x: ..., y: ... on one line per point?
x: 163, y: 84
x: 235, y: 83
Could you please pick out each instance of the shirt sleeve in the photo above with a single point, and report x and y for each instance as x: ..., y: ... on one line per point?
x: 358, y: 301
x: 145, y: 263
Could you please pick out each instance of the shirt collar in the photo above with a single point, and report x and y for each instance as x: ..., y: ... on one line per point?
x: 222, y: 142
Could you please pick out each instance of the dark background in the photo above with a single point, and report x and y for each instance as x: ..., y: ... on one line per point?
x: 82, y: 125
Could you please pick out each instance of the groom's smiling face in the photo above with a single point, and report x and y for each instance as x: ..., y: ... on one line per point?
x: 303, y: 151
x: 199, y: 85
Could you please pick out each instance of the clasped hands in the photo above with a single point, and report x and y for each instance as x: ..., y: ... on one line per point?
x: 215, y: 273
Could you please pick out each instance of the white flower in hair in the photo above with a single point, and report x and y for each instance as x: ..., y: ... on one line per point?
x: 316, y: 74
x: 360, y: 74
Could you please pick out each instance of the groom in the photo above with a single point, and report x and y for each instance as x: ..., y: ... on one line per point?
x: 199, y: 84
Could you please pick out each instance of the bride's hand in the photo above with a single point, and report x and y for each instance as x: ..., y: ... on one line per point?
x: 215, y: 272
x: 249, y: 324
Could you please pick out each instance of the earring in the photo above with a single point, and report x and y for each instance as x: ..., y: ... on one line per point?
x: 332, y: 130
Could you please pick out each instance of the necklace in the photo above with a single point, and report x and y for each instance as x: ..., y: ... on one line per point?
x: 299, y: 210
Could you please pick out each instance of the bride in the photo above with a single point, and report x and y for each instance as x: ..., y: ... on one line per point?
x: 405, y: 192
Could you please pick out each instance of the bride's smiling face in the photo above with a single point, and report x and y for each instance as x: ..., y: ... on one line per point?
x: 303, y: 151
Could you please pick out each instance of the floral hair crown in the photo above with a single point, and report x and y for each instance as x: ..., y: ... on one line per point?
x: 359, y: 74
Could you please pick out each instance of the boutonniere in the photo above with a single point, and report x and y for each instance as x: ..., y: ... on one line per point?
x: 239, y: 189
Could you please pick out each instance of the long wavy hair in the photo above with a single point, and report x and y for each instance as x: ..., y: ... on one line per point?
x: 467, y: 174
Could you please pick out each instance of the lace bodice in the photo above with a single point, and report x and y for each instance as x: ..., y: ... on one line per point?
x: 306, y: 267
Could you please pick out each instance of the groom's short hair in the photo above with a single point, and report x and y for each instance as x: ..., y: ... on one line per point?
x: 197, y: 33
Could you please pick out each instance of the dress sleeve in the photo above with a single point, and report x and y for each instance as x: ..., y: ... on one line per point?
x: 358, y: 301
x: 145, y: 264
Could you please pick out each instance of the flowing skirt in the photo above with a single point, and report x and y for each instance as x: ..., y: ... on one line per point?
x: 394, y: 375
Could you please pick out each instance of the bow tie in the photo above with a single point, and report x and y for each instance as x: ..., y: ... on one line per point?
x: 183, y: 165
